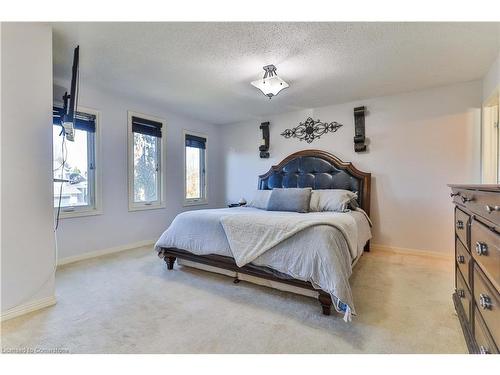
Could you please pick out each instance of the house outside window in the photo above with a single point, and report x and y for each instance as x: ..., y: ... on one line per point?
x: 76, y: 169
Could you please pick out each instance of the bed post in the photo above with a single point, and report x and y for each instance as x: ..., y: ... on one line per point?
x: 170, y: 260
x: 326, y: 302
x: 367, y: 247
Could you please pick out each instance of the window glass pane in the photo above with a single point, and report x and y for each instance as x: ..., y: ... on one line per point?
x: 145, y: 168
x: 193, y: 173
x: 75, y: 192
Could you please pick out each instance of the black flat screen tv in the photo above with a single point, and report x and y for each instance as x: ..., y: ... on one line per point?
x: 70, y: 100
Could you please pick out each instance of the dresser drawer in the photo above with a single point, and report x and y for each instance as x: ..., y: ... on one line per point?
x: 485, y: 245
x: 463, y: 293
x: 485, y: 344
x: 463, y: 260
x: 462, y: 226
x: 482, y: 203
x: 487, y: 301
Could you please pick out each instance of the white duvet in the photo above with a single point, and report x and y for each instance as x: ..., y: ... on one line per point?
x: 318, y: 247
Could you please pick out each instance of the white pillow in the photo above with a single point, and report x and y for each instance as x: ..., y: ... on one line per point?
x: 331, y: 200
x: 260, y: 199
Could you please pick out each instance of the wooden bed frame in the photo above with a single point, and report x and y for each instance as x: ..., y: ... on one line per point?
x: 228, y: 263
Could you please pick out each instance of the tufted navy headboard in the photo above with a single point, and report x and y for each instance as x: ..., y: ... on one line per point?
x: 319, y: 170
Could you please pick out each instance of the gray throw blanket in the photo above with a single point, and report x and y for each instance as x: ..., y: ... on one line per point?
x: 250, y: 235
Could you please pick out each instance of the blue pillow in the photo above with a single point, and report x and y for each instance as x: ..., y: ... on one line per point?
x: 289, y: 199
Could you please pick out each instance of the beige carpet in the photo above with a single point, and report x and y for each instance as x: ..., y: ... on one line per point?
x: 129, y: 303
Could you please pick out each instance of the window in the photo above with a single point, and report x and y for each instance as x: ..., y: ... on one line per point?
x: 145, y: 162
x: 75, y: 165
x: 195, y: 191
x: 490, y: 141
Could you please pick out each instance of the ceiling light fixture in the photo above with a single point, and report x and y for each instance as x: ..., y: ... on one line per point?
x: 270, y: 84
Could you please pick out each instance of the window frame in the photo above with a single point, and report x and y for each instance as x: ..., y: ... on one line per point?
x: 204, y: 199
x: 94, y: 150
x: 490, y: 151
x: 160, y: 202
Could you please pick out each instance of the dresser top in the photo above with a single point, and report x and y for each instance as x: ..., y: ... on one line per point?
x: 485, y: 187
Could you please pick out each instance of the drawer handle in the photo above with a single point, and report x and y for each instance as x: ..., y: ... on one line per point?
x: 460, y: 224
x: 485, y: 301
x: 465, y: 199
x: 491, y: 209
x: 455, y: 194
x: 481, y: 248
x: 461, y: 293
x: 460, y: 259
x: 484, y: 350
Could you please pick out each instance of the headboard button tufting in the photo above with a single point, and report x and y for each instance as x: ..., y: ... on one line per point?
x: 319, y: 170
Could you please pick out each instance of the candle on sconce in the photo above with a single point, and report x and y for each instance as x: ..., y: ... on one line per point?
x: 264, y: 142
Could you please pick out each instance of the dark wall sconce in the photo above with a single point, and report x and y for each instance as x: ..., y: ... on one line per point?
x: 264, y: 146
x: 359, y: 129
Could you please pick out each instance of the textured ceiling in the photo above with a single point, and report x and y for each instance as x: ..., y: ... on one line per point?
x: 204, y: 69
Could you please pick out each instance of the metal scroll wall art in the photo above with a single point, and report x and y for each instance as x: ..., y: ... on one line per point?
x: 310, y: 130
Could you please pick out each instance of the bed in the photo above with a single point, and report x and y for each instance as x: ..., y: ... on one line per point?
x: 306, y: 253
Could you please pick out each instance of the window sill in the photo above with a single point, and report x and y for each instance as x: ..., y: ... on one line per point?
x: 77, y: 213
x: 144, y: 207
x: 200, y: 202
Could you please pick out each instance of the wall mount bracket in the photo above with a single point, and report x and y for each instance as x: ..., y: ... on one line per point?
x: 264, y: 148
x: 359, y: 129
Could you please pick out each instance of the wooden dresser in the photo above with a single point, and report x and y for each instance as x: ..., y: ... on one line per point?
x: 477, y: 265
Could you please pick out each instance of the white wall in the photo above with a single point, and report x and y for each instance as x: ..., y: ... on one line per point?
x: 419, y: 142
x: 491, y: 80
x: 117, y: 226
x: 27, y: 243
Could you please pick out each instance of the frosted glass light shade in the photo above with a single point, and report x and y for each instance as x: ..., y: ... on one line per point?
x: 270, y: 86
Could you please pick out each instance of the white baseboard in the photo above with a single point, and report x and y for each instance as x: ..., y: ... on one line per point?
x: 27, y: 308
x: 406, y: 251
x: 98, y: 253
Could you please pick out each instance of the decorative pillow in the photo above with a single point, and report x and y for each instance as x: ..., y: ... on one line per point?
x: 260, y: 199
x: 290, y: 199
x: 332, y: 200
